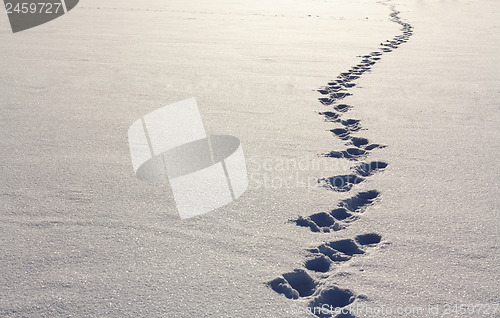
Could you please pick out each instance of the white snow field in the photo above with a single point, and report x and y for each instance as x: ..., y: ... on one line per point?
x: 373, y: 166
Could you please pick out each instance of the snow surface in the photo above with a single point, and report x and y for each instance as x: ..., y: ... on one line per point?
x: 81, y: 236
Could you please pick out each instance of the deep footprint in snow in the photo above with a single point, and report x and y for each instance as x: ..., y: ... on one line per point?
x: 325, y: 255
x: 341, y: 183
x: 294, y: 284
x: 368, y: 169
x: 344, y: 183
x: 337, y: 219
x: 329, y: 300
x: 300, y: 284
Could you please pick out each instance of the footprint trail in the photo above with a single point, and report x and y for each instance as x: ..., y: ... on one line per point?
x: 312, y: 283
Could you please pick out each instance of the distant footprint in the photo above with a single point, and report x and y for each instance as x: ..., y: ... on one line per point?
x: 342, y: 108
x: 330, y: 116
x: 363, y: 143
x: 349, y: 153
x: 347, y: 211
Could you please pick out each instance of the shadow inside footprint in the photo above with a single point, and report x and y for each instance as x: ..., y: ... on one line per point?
x: 341, y: 133
x: 342, y: 108
x: 352, y: 124
x: 337, y: 219
x: 330, y: 116
x: 319, y: 264
x: 342, y: 183
x: 368, y: 169
x: 294, y: 285
x: 334, y: 255
x: 322, y: 219
x: 374, y: 146
x: 341, y: 214
x: 347, y: 246
x: 326, y: 303
x: 358, y: 202
x: 359, y: 142
x: 349, y: 153
x: 319, y: 222
x: 300, y: 280
x: 306, y: 222
x: 281, y: 286
x: 368, y: 239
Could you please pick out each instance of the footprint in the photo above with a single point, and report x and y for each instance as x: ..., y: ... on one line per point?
x: 344, y: 183
x: 351, y: 124
x: 349, y: 153
x: 294, y: 284
x: 368, y: 239
x: 342, y: 250
x: 360, y: 201
x: 319, y: 264
x: 338, y: 218
x: 342, y: 108
x: 341, y: 183
x: 300, y: 284
x: 339, y: 95
x: 341, y: 133
x: 368, y: 169
x: 326, y: 101
x: 364, y: 144
x: 348, y: 85
x: 319, y: 222
x: 329, y: 302
x: 333, y: 97
x: 359, y: 142
x: 330, y: 116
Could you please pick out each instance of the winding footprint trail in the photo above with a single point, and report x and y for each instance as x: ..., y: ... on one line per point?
x: 312, y: 283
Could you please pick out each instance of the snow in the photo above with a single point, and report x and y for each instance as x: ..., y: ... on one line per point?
x: 81, y: 236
